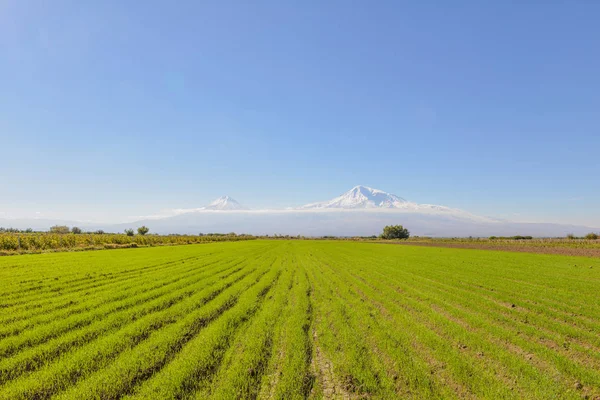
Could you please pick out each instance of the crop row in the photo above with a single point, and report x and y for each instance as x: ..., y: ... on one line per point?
x: 299, y: 319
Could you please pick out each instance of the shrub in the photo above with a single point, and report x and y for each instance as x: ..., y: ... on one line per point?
x: 395, y: 232
x: 129, y: 232
x: 61, y: 229
x: 142, y: 230
x: 522, y: 237
x: 591, y: 236
x: 76, y: 230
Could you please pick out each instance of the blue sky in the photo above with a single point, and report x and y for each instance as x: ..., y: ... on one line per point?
x: 111, y: 109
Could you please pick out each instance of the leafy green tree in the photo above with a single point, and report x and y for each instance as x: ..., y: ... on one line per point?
x: 395, y: 232
x: 61, y: 229
x: 591, y: 236
x: 129, y: 232
x: 76, y: 230
x: 142, y: 230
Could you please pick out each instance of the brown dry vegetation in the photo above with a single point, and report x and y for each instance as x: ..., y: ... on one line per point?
x: 558, y: 247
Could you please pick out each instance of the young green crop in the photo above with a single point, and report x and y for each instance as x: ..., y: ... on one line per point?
x: 243, y: 365
x: 299, y: 319
x: 138, y: 363
x: 33, y: 357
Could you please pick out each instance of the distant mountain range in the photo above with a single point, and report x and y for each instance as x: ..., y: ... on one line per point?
x: 358, y: 198
x: 361, y: 211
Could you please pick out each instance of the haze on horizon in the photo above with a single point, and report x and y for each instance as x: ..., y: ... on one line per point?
x: 110, y: 110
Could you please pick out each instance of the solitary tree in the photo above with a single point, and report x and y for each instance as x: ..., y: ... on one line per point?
x: 591, y: 236
x: 142, y: 230
x: 395, y: 232
x: 76, y: 230
x: 59, y: 229
x: 129, y: 232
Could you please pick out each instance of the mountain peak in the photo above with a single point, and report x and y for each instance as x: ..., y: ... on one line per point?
x: 361, y: 197
x: 225, y: 203
x: 365, y: 190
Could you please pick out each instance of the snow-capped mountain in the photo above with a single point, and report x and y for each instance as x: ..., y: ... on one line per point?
x: 361, y: 197
x: 361, y: 211
x: 224, y: 203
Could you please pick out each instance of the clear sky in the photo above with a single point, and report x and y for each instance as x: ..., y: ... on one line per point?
x: 110, y: 109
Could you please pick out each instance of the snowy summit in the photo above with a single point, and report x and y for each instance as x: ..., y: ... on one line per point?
x: 361, y: 197
x: 224, y: 203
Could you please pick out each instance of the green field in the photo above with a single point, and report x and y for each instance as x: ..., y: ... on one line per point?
x: 299, y: 319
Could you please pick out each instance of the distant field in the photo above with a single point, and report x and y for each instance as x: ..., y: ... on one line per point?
x: 571, y: 247
x: 40, y: 242
x: 299, y: 319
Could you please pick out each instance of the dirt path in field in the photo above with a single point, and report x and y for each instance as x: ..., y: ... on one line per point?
x: 323, y: 371
x: 564, y: 251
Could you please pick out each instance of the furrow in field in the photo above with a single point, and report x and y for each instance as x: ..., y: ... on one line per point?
x: 112, y: 273
x: 584, y: 338
x: 69, y: 300
x: 77, y: 365
x: 139, y: 364
x: 534, y: 302
x: 244, y: 363
x: 288, y: 375
x: 72, y: 291
x: 538, y: 378
x: 298, y: 319
x: 496, y: 276
x: 81, y: 308
x: 443, y: 353
x: 91, y: 280
x: 363, y: 284
x: 408, y: 308
x: 34, y: 357
x: 565, y: 363
x: 409, y: 370
x: 45, y: 332
x: 387, y: 273
x: 536, y: 326
x: 339, y: 329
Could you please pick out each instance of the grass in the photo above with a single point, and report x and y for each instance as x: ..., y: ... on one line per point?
x: 299, y: 319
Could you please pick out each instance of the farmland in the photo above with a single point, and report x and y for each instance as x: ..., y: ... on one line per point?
x: 559, y: 246
x: 12, y: 243
x: 299, y: 319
